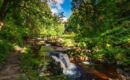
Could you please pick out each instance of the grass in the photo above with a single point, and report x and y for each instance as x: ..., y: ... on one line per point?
x: 68, y: 40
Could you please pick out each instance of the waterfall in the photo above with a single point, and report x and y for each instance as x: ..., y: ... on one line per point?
x: 69, y: 69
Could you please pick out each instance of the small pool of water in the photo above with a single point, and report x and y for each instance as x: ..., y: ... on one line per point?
x: 102, y: 71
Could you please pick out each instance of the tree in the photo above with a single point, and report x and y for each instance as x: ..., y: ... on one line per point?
x: 99, y: 23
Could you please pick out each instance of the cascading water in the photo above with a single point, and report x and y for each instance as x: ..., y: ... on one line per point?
x: 69, y: 69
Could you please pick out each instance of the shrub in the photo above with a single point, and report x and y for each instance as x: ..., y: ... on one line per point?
x: 5, y: 49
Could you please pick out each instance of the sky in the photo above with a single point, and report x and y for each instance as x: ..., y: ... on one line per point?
x: 61, y: 6
x: 67, y: 8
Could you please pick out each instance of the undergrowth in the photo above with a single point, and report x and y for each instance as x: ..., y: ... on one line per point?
x: 5, y: 49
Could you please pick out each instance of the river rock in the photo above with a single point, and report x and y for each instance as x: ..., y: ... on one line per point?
x: 124, y: 75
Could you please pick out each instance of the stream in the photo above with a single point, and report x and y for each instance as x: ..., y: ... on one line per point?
x: 82, y: 70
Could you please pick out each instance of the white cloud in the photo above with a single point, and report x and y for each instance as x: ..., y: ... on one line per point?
x: 55, y: 6
x: 58, y: 4
x: 59, y: 1
x: 54, y: 10
x: 64, y: 19
x: 59, y: 7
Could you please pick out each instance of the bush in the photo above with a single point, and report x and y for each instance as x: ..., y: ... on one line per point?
x: 30, y: 65
x: 5, y: 49
x: 13, y: 34
x: 112, y: 45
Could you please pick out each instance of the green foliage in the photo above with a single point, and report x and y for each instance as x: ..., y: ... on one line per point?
x: 5, y: 49
x: 102, y: 29
x: 22, y: 77
x: 58, y: 77
x: 68, y: 39
x: 33, y: 66
x: 13, y: 34
x: 55, y: 28
x: 30, y: 65
x: 1, y: 1
x: 44, y: 57
x: 22, y: 20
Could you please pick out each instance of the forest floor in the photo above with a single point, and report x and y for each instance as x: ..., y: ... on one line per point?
x: 11, y: 69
